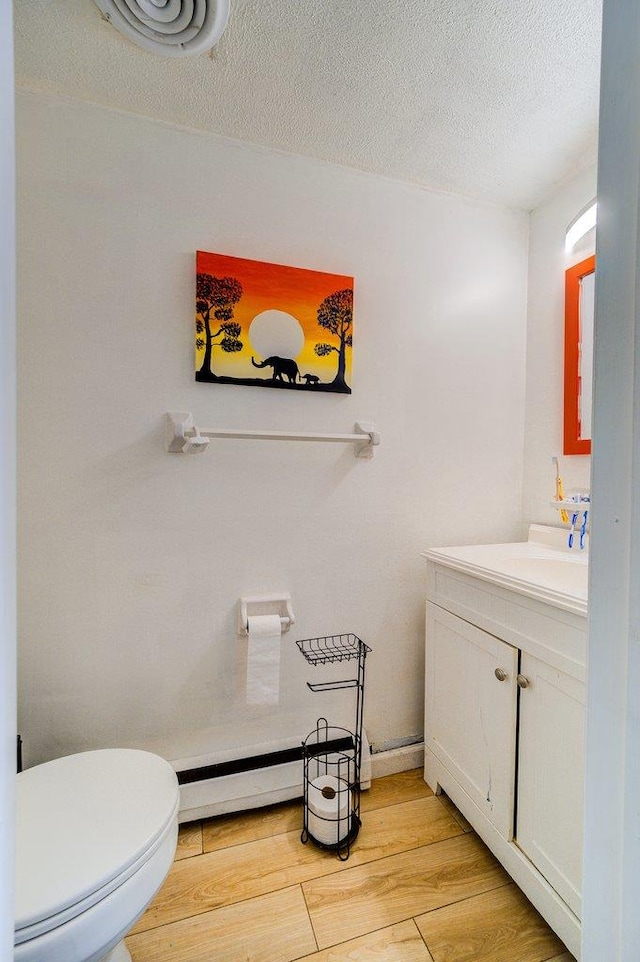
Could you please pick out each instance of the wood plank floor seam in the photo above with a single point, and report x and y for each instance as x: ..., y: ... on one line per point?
x: 381, y: 928
x: 423, y: 939
x: 249, y: 898
x: 310, y: 919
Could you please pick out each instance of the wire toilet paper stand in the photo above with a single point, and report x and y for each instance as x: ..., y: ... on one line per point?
x: 332, y: 756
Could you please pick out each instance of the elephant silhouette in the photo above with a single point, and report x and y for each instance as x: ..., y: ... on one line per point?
x: 282, y: 367
x: 310, y: 378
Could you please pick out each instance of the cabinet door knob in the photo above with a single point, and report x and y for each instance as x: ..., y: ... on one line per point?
x: 522, y: 681
x: 500, y: 674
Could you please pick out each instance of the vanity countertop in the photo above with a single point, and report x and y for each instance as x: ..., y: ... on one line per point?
x: 542, y: 567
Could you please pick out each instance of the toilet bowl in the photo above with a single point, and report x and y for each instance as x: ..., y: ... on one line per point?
x: 96, y: 835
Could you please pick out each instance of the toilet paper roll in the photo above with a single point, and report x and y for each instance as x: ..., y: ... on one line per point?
x: 329, y: 809
x: 263, y: 660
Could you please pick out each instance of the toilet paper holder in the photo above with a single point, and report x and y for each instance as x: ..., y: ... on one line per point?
x: 252, y: 606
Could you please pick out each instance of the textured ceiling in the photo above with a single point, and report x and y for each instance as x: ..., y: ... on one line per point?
x: 494, y: 99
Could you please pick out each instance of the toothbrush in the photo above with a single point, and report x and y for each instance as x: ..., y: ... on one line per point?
x: 583, y: 529
x: 564, y: 517
x: 574, y: 518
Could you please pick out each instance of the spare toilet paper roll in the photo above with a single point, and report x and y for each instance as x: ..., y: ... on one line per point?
x: 329, y: 809
x: 263, y: 660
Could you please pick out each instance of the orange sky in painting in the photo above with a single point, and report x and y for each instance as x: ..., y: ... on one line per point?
x: 277, y: 287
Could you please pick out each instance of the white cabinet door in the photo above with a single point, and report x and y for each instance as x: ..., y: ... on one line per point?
x: 470, y: 714
x: 551, y: 776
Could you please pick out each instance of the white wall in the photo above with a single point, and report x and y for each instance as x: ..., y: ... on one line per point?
x: 7, y: 485
x: 132, y: 560
x: 545, y: 349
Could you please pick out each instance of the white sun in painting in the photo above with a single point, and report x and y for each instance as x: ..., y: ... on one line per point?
x: 276, y: 333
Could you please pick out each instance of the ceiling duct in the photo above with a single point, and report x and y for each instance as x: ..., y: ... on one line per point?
x: 171, y: 28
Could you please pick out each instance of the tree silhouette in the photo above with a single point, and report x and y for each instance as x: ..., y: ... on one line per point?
x: 335, y: 314
x: 216, y: 296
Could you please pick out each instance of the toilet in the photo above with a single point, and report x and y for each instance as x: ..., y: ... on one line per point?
x: 96, y: 835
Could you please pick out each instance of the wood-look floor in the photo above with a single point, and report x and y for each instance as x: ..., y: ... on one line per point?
x: 419, y: 886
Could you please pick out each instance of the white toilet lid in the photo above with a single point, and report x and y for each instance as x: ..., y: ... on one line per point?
x: 82, y: 821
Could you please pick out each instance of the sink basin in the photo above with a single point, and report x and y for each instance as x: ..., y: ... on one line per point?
x: 542, y: 567
x: 560, y: 574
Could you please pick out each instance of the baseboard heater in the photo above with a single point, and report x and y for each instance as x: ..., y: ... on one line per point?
x: 211, y: 785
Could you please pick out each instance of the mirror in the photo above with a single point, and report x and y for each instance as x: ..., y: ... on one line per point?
x: 578, y: 356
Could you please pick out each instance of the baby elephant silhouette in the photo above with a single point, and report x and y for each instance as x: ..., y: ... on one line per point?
x: 310, y: 378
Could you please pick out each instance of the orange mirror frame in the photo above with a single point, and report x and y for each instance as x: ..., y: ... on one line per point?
x: 574, y: 443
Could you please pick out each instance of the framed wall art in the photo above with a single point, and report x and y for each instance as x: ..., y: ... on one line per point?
x: 268, y: 325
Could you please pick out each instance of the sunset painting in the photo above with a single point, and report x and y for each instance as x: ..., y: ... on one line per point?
x: 268, y: 325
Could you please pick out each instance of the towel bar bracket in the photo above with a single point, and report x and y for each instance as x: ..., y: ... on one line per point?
x: 371, y: 438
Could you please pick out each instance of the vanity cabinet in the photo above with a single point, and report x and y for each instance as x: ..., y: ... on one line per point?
x: 504, y: 729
